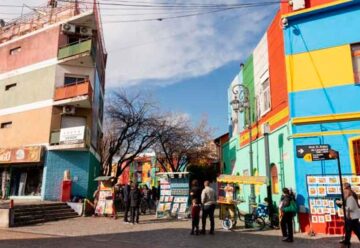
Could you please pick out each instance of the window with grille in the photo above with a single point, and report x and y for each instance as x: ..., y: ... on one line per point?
x: 355, y: 51
x: 264, y: 98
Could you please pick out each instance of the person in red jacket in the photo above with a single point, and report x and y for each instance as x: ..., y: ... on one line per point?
x: 195, y: 216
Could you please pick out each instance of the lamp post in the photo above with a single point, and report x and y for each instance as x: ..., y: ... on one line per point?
x: 240, y: 103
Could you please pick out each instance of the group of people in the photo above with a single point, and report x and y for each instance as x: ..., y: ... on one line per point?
x: 204, y: 200
x: 129, y: 196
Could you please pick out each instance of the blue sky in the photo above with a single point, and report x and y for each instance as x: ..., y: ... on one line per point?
x: 203, y: 95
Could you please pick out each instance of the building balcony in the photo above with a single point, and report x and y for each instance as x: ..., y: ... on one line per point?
x: 82, y: 47
x: 72, y: 138
x: 77, y: 94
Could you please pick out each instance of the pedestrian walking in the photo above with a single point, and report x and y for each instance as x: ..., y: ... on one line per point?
x: 117, y: 198
x: 154, y: 197
x: 352, y: 214
x: 288, y: 210
x: 208, y: 201
x: 135, y: 198
x: 146, y: 194
x: 127, y: 201
x: 195, y: 191
x: 195, y: 216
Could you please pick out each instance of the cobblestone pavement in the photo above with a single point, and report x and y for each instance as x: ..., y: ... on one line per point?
x: 150, y: 233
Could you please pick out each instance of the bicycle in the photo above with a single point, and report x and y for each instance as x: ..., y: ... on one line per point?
x: 230, y: 212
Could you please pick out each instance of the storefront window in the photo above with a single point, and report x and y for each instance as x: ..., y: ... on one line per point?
x: 26, y: 181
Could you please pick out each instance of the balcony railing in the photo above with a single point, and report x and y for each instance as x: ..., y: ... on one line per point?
x: 73, y: 90
x: 76, y: 48
x: 71, y: 136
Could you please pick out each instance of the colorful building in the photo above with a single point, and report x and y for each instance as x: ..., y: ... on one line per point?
x: 52, y: 78
x: 303, y: 80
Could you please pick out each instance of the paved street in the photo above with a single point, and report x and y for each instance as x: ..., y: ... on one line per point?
x: 150, y: 233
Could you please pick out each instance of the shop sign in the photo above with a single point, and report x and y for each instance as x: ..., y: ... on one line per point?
x: 72, y: 135
x: 21, y: 155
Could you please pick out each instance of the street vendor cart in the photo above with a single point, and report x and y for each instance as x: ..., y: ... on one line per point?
x: 104, y: 197
x: 228, y: 201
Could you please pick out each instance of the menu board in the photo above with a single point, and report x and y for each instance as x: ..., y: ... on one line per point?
x: 174, y: 197
x: 323, y: 191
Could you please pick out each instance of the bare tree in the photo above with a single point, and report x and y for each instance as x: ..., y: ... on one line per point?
x: 132, y: 128
x: 179, y: 144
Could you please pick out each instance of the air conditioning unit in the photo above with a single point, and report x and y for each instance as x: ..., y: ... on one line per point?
x: 70, y: 110
x: 85, y: 31
x: 265, y: 128
x: 68, y: 28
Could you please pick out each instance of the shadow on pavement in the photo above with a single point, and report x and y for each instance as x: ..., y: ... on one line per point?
x: 164, y: 238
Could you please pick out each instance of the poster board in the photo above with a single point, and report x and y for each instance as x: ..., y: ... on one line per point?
x: 323, y: 191
x: 174, y: 197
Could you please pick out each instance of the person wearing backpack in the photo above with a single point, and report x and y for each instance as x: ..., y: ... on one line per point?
x: 352, y: 214
x: 288, y: 211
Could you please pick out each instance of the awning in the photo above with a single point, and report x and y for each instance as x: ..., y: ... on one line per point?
x: 242, y: 179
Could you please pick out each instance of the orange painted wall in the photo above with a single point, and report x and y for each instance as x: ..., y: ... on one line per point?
x: 28, y: 128
x: 277, y: 68
x: 286, y: 8
x: 34, y: 49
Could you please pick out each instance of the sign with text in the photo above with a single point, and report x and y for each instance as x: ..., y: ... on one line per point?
x: 313, y: 152
x: 72, y: 135
x: 21, y: 155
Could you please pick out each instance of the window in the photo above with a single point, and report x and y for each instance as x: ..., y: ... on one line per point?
x: 265, y: 97
x: 74, y: 79
x: 274, y: 179
x: 355, y: 51
x: 10, y: 86
x: 15, y: 50
x: 6, y: 124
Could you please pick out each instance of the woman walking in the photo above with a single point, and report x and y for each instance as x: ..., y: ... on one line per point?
x: 352, y: 215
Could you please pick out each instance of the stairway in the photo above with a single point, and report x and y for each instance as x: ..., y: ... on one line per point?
x: 39, y: 213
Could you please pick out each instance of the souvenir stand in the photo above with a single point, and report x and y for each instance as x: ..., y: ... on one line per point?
x: 227, y: 199
x: 104, y: 206
x: 323, y: 191
x: 174, y: 195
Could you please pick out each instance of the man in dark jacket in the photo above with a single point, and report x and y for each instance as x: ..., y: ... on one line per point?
x: 135, y: 198
x: 127, y: 200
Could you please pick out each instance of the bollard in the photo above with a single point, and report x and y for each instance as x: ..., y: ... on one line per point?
x: 11, y: 204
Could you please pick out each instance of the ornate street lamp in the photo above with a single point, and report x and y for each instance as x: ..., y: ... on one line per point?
x: 239, y: 104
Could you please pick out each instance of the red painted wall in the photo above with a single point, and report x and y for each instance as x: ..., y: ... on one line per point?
x: 34, y: 49
x: 285, y: 8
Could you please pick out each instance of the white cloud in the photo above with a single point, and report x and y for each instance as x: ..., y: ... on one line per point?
x: 168, y: 51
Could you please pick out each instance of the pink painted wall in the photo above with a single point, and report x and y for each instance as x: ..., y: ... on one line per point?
x: 34, y: 49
